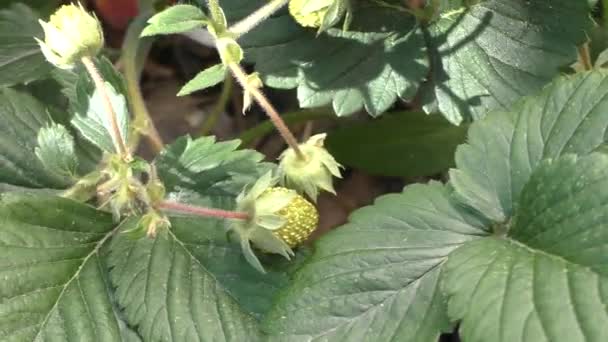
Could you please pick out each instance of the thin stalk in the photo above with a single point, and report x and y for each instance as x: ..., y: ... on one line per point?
x: 202, y: 211
x: 585, y: 56
x: 255, y: 18
x: 100, y: 84
x: 219, y: 107
x: 134, y: 52
x: 291, y: 118
x: 272, y: 113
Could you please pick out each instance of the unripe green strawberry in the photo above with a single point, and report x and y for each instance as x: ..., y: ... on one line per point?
x: 278, y: 219
x: 301, y: 216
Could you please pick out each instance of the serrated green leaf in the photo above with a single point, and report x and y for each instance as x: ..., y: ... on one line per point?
x: 171, y: 296
x: 72, y: 301
x: 547, y: 279
x: 406, y: 144
x: 375, y: 279
x: 205, y: 79
x: 490, y: 55
x: 379, y: 60
x: 209, y: 168
x: 175, y: 19
x: 56, y: 151
x: 205, y: 240
x: 21, y: 60
x: 95, y: 124
x: 569, y: 116
x: 21, y: 117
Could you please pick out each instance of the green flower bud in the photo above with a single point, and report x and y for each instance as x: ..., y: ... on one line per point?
x: 70, y: 34
x: 279, y: 219
x: 312, y: 173
x: 309, y: 13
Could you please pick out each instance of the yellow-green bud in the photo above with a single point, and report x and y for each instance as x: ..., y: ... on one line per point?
x: 70, y: 34
x: 309, y: 13
x: 312, y: 173
x: 279, y: 219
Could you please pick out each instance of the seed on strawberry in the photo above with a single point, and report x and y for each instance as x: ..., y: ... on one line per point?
x: 301, y: 216
x: 279, y: 219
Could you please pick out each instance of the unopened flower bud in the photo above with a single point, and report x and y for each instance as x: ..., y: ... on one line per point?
x: 311, y: 173
x: 70, y: 34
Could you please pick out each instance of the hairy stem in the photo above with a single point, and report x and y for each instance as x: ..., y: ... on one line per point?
x: 585, y: 56
x: 255, y: 18
x: 100, y: 84
x: 219, y: 107
x: 134, y: 52
x: 202, y: 211
x: 264, y: 128
x: 272, y: 113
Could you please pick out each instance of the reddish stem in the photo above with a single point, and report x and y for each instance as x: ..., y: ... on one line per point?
x: 202, y: 211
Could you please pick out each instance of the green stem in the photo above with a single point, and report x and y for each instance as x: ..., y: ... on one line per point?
x: 272, y: 113
x: 255, y: 18
x: 202, y: 211
x: 266, y: 127
x: 100, y: 85
x: 220, y: 106
x: 134, y: 52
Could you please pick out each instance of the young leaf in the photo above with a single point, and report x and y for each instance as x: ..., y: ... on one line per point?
x: 175, y: 19
x: 21, y: 117
x: 404, y: 144
x: 56, y: 151
x: 21, y: 60
x: 496, y: 51
x: 379, y: 60
x: 208, y: 168
x: 375, y: 279
x: 547, y: 279
x: 95, y: 124
x: 569, y: 116
x: 53, y: 285
x: 205, y: 79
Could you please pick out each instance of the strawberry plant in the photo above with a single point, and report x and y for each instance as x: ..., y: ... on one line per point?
x: 492, y: 113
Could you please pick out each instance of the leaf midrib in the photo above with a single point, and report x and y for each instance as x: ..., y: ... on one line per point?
x: 95, y: 251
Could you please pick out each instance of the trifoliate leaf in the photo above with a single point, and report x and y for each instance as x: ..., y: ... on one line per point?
x: 54, y: 284
x: 204, y: 79
x: 175, y: 19
x: 376, y: 278
x: 569, y: 116
x: 170, y: 294
x: 379, y: 60
x: 492, y: 53
x: 56, y: 151
x: 547, y: 279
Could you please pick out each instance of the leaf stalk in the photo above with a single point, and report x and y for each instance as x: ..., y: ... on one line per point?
x: 100, y: 84
x: 202, y: 211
